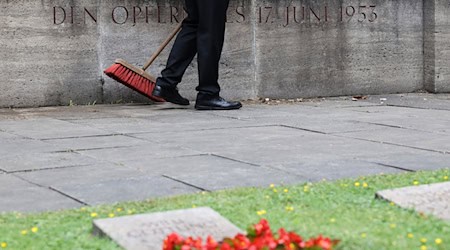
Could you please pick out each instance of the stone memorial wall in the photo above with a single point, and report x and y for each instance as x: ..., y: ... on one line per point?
x: 54, y: 51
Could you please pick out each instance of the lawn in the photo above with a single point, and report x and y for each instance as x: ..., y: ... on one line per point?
x: 345, y: 210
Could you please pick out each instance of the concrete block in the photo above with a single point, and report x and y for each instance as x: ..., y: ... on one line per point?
x: 338, y: 48
x: 44, y: 63
x: 436, y: 46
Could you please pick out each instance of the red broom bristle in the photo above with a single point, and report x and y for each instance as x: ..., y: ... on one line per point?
x: 132, y: 80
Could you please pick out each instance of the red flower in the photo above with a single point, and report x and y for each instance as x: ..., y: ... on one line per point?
x: 259, y: 237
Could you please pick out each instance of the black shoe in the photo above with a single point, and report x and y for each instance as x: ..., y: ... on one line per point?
x: 170, y: 95
x: 216, y: 103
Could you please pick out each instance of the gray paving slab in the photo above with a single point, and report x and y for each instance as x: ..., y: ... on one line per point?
x: 81, y: 175
x: 36, y: 161
x: 336, y: 169
x: 144, y: 125
x: 413, y: 160
x: 125, y: 189
x: 421, y: 139
x: 8, y: 136
x: 46, y: 128
x: 94, y: 142
x: 162, y: 150
x: 278, y: 145
x: 417, y: 100
x: 21, y: 196
x: 211, y: 172
x: 13, y: 147
x: 139, y: 155
x: 429, y: 199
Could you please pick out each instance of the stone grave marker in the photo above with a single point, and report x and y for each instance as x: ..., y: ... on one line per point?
x: 148, y: 231
x: 429, y: 199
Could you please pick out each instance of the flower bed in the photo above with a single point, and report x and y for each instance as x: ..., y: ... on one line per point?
x: 259, y: 237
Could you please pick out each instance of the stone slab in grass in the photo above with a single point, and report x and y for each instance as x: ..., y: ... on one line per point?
x: 148, y: 231
x: 430, y: 199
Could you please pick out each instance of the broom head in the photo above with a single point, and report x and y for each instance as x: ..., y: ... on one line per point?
x: 134, y: 78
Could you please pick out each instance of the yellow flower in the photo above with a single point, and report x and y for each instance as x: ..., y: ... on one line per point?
x: 423, y: 240
x: 130, y: 212
x: 261, y: 212
x: 119, y: 209
x: 275, y: 190
x: 285, y: 190
x: 416, y: 183
x: 446, y: 177
x: 93, y: 215
x: 410, y: 235
x: 438, y: 241
x: 111, y: 215
x: 363, y: 235
x: 392, y: 204
x: 194, y: 206
x: 289, y: 208
x: 272, y: 185
x: 332, y: 220
x: 34, y: 229
x: 24, y: 232
x: 423, y: 248
x: 357, y: 184
x: 393, y: 225
x: 365, y: 185
x: 4, y: 245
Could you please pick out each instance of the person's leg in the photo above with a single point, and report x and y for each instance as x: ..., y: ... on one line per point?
x: 183, y: 50
x: 210, y: 37
x: 211, y: 31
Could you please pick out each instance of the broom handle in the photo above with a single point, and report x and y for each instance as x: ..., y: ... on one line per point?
x: 163, y: 45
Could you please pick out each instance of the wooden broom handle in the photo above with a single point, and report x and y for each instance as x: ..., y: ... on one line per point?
x: 163, y: 45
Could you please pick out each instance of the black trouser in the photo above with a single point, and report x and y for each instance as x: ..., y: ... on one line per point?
x: 203, y: 34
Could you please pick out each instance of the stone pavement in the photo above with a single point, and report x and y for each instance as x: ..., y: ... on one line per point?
x: 66, y: 157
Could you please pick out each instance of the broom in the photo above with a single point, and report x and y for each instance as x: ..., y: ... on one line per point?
x: 136, y: 78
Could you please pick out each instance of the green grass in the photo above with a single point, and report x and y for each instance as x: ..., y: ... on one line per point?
x: 337, y: 209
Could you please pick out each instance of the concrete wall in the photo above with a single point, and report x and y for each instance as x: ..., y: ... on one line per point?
x: 54, y: 51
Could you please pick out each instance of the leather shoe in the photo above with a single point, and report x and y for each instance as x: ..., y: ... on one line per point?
x: 216, y: 103
x: 170, y: 95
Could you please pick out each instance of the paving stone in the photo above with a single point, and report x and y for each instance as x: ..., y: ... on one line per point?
x: 8, y: 136
x: 214, y: 173
x: 278, y: 145
x: 46, y: 128
x: 18, y: 195
x: 81, y: 175
x: 139, y: 155
x: 413, y: 160
x: 142, y: 125
x: 18, y: 147
x: 95, y: 142
x: 148, y: 231
x: 336, y: 169
x: 423, y: 140
x: 125, y: 189
x: 424, y: 101
x: 36, y: 161
x: 429, y: 199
